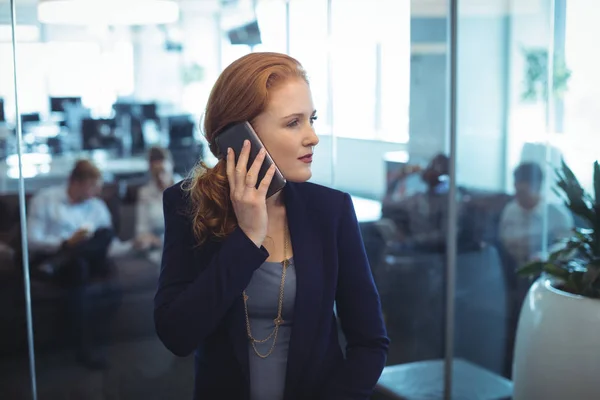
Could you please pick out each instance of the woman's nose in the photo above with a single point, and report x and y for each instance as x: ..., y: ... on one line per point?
x: 311, y: 138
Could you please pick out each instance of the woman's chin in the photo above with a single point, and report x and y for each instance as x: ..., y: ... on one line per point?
x: 298, y: 176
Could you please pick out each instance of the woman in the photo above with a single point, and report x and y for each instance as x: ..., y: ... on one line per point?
x: 250, y: 283
x: 150, y: 226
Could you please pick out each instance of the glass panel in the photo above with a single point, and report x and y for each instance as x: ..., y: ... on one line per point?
x: 15, y: 377
x: 106, y: 94
x: 511, y: 135
x: 371, y: 92
x: 406, y: 244
x: 235, y: 38
x: 577, y: 106
x: 378, y: 72
x: 271, y: 17
x: 308, y: 29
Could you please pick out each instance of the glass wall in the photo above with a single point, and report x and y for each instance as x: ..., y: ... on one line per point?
x: 519, y: 114
x: 433, y: 121
x: 15, y: 377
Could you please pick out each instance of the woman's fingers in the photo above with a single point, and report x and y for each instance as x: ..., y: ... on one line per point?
x: 266, y: 181
x: 241, y: 179
x: 241, y: 168
x: 231, y: 169
x: 252, y: 175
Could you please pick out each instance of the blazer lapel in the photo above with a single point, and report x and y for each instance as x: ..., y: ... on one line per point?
x: 238, y: 337
x: 307, y: 247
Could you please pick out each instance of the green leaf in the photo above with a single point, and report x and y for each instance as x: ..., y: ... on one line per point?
x: 591, y: 275
x: 575, y: 283
x: 532, y: 269
x: 577, y: 200
x: 556, y: 271
x: 577, y: 264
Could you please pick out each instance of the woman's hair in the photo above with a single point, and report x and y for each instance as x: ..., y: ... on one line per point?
x: 240, y: 94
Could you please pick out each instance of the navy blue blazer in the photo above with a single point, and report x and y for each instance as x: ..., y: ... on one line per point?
x: 199, y: 305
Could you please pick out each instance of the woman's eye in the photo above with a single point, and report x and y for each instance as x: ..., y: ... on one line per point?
x: 313, y: 119
x: 293, y: 123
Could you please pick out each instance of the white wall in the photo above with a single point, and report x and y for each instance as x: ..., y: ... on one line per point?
x: 482, y: 101
x: 359, y: 165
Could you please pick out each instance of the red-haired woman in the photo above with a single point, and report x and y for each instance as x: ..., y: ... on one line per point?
x: 250, y: 283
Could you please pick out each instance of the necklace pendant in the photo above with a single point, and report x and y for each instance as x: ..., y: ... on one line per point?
x: 278, y: 321
x: 246, y: 297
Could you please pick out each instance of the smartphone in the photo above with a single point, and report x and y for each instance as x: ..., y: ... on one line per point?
x: 234, y: 137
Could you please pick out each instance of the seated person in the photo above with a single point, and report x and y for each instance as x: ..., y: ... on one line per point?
x: 150, y: 224
x: 69, y: 233
x: 422, y: 219
x: 521, y: 223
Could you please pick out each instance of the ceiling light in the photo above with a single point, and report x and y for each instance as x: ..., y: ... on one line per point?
x: 108, y: 12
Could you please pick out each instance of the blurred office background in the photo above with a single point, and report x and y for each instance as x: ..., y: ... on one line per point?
x: 108, y: 80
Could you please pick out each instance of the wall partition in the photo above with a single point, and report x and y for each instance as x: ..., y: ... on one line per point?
x: 18, y: 368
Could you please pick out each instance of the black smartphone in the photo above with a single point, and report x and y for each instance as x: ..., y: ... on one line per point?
x: 234, y: 137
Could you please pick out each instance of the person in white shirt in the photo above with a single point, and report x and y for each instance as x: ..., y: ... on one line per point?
x: 150, y: 224
x: 69, y: 230
x: 521, y: 223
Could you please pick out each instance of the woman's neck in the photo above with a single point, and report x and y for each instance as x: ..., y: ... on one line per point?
x: 276, y: 201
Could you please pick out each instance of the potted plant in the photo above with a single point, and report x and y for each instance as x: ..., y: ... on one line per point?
x: 556, y: 352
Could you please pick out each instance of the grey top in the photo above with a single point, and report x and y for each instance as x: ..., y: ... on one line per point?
x: 267, y: 376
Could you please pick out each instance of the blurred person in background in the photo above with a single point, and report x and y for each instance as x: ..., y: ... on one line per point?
x: 70, y: 235
x: 522, y: 221
x: 150, y: 225
x: 421, y: 219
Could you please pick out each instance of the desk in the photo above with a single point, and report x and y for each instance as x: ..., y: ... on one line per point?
x: 424, y: 380
x: 43, y: 170
x: 366, y: 210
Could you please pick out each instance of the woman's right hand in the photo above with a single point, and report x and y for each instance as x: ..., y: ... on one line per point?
x: 249, y: 203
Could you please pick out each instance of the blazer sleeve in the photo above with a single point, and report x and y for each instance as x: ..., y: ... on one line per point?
x: 195, y: 293
x: 359, y: 310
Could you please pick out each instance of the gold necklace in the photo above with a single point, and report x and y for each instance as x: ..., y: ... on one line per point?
x: 279, y: 320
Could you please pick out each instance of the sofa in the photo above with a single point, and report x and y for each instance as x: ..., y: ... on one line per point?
x: 413, y: 283
x: 135, y: 276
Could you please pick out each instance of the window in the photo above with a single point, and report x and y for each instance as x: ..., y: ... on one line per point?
x: 369, y: 51
x: 67, y: 69
x: 371, y: 69
x: 308, y: 44
x: 72, y: 64
x: 395, y: 74
x: 581, y: 140
x: 271, y: 22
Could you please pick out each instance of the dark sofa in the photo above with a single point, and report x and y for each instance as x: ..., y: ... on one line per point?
x: 135, y: 276
x: 413, y: 283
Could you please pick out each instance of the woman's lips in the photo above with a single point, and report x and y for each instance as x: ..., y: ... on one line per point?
x: 306, y: 159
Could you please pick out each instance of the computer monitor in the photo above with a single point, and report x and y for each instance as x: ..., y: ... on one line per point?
x: 57, y: 104
x: 248, y: 34
x: 31, y: 117
x: 123, y: 108
x: 181, y: 127
x: 149, y: 111
x: 98, y: 133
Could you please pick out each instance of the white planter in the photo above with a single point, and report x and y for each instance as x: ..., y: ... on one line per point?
x: 557, y: 350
